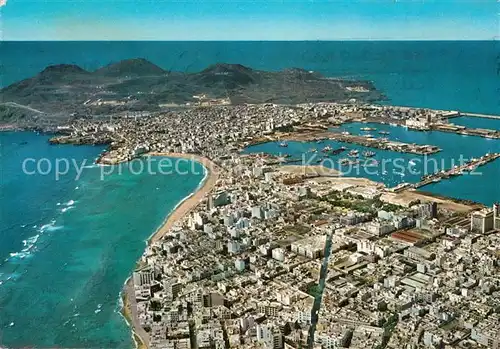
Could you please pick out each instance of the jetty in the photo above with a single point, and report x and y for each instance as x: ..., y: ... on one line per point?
x: 462, y: 130
x: 486, y: 116
x: 469, y: 166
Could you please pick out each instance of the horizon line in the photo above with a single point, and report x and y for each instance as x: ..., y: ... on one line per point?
x: 258, y: 40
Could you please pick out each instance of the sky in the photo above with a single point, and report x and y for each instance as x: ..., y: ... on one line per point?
x: 250, y: 19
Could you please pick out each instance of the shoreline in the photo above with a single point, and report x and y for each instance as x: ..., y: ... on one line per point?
x: 183, y: 208
x: 187, y: 204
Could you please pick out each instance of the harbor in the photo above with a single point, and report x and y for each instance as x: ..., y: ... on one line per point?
x: 468, y: 167
x: 363, y: 140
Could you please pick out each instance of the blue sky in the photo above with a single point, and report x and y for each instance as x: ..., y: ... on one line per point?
x: 250, y: 20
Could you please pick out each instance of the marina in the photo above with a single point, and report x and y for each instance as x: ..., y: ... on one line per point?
x: 377, y: 143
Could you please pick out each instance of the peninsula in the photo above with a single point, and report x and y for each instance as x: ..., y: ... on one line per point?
x: 138, y: 87
x: 262, y: 257
x: 271, y: 259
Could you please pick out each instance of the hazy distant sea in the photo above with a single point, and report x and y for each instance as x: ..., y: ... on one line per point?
x: 66, y: 247
x: 442, y: 74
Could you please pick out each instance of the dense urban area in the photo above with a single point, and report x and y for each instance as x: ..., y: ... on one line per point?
x: 277, y: 256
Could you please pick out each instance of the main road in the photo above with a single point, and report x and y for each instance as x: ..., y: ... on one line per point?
x: 319, y: 295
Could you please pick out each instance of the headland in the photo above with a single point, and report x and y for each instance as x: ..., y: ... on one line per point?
x: 287, y: 254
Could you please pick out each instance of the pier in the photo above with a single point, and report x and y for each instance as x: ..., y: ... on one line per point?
x: 461, y: 130
x: 365, y: 141
x: 486, y: 116
x: 457, y: 171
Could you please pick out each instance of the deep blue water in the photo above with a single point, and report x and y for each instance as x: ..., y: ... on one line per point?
x: 459, y: 75
x: 68, y: 245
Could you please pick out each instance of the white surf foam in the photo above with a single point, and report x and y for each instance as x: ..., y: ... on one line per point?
x: 29, y: 243
x: 19, y: 255
x: 50, y: 227
x: 64, y: 209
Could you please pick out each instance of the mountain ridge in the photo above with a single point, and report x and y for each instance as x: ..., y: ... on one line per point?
x: 137, y: 84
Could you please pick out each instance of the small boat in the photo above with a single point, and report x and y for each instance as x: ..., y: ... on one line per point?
x: 353, y: 153
x: 313, y: 150
x: 367, y: 129
x: 345, y: 133
x: 368, y: 154
x: 384, y: 132
x: 344, y: 161
x: 284, y: 144
x: 326, y: 149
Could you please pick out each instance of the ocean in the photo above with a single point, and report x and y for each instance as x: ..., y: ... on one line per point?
x: 455, y: 75
x: 67, y: 246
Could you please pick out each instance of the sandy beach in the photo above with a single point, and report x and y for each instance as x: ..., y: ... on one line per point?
x: 190, y: 203
x: 180, y: 212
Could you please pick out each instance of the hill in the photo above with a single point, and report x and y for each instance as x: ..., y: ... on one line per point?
x: 67, y: 90
x: 131, y: 67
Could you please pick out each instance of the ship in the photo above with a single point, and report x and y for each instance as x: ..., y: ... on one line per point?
x: 338, y: 150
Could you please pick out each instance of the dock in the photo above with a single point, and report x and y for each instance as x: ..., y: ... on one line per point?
x: 486, y: 116
x: 462, y: 130
x: 371, y: 142
x: 456, y: 171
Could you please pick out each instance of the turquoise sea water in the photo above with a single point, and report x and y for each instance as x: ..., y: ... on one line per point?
x: 475, y: 122
x: 67, y: 246
x: 61, y: 272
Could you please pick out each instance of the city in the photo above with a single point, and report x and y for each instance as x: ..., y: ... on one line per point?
x: 278, y: 258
